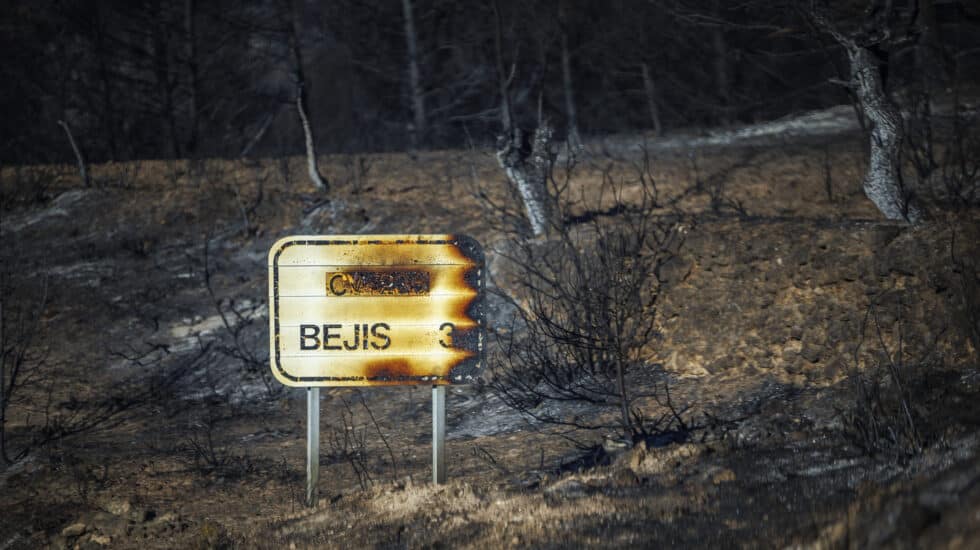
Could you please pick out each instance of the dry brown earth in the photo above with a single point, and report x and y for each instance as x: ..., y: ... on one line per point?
x: 761, y: 324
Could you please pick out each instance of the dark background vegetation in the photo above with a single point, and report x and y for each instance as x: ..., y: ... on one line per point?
x: 701, y: 329
x: 187, y: 78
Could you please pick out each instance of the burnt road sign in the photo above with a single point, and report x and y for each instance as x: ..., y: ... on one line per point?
x: 365, y: 310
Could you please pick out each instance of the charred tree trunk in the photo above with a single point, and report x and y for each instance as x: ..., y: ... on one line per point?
x: 722, y: 77
x: 259, y: 134
x: 82, y: 168
x: 574, y: 140
x: 651, y: 93
x: 415, y: 77
x: 624, y: 402
x: 312, y: 169
x: 163, y: 65
x: 527, y: 168
x: 108, y: 118
x: 883, y: 182
x: 503, y: 78
x: 190, y: 39
x: 529, y: 172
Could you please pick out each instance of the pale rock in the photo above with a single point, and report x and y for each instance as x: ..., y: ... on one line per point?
x: 101, y: 540
x: 119, y: 507
x: 74, y: 530
x: 722, y: 476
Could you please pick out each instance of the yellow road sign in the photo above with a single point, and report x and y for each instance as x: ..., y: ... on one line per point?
x: 365, y: 310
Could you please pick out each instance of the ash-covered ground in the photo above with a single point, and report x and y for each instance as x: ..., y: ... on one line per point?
x: 147, y: 416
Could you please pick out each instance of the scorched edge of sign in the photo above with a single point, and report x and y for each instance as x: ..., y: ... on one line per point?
x: 462, y: 372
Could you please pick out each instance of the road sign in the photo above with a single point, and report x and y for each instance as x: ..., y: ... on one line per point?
x: 364, y: 310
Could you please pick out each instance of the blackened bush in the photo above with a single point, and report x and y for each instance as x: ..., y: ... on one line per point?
x: 584, y: 299
x: 885, y: 414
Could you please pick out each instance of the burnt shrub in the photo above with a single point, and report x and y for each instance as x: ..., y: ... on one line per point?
x: 889, y: 401
x: 577, y: 348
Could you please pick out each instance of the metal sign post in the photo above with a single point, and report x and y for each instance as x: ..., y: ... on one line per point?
x: 438, y: 434
x: 312, y: 445
x: 376, y: 310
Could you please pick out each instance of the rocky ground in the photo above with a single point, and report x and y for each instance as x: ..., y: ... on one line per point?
x: 150, y: 419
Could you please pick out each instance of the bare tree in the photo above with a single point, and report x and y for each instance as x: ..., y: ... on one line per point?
x: 312, y: 169
x: 574, y: 139
x: 79, y: 158
x: 883, y: 182
x: 505, y: 75
x: 528, y: 171
x: 193, y: 92
x: 640, y: 51
x: 527, y: 166
x: 721, y: 65
x: 415, y: 76
x: 650, y: 91
x: 165, y: 74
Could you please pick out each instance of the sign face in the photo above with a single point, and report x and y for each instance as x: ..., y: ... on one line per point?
x: 371, y: 310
